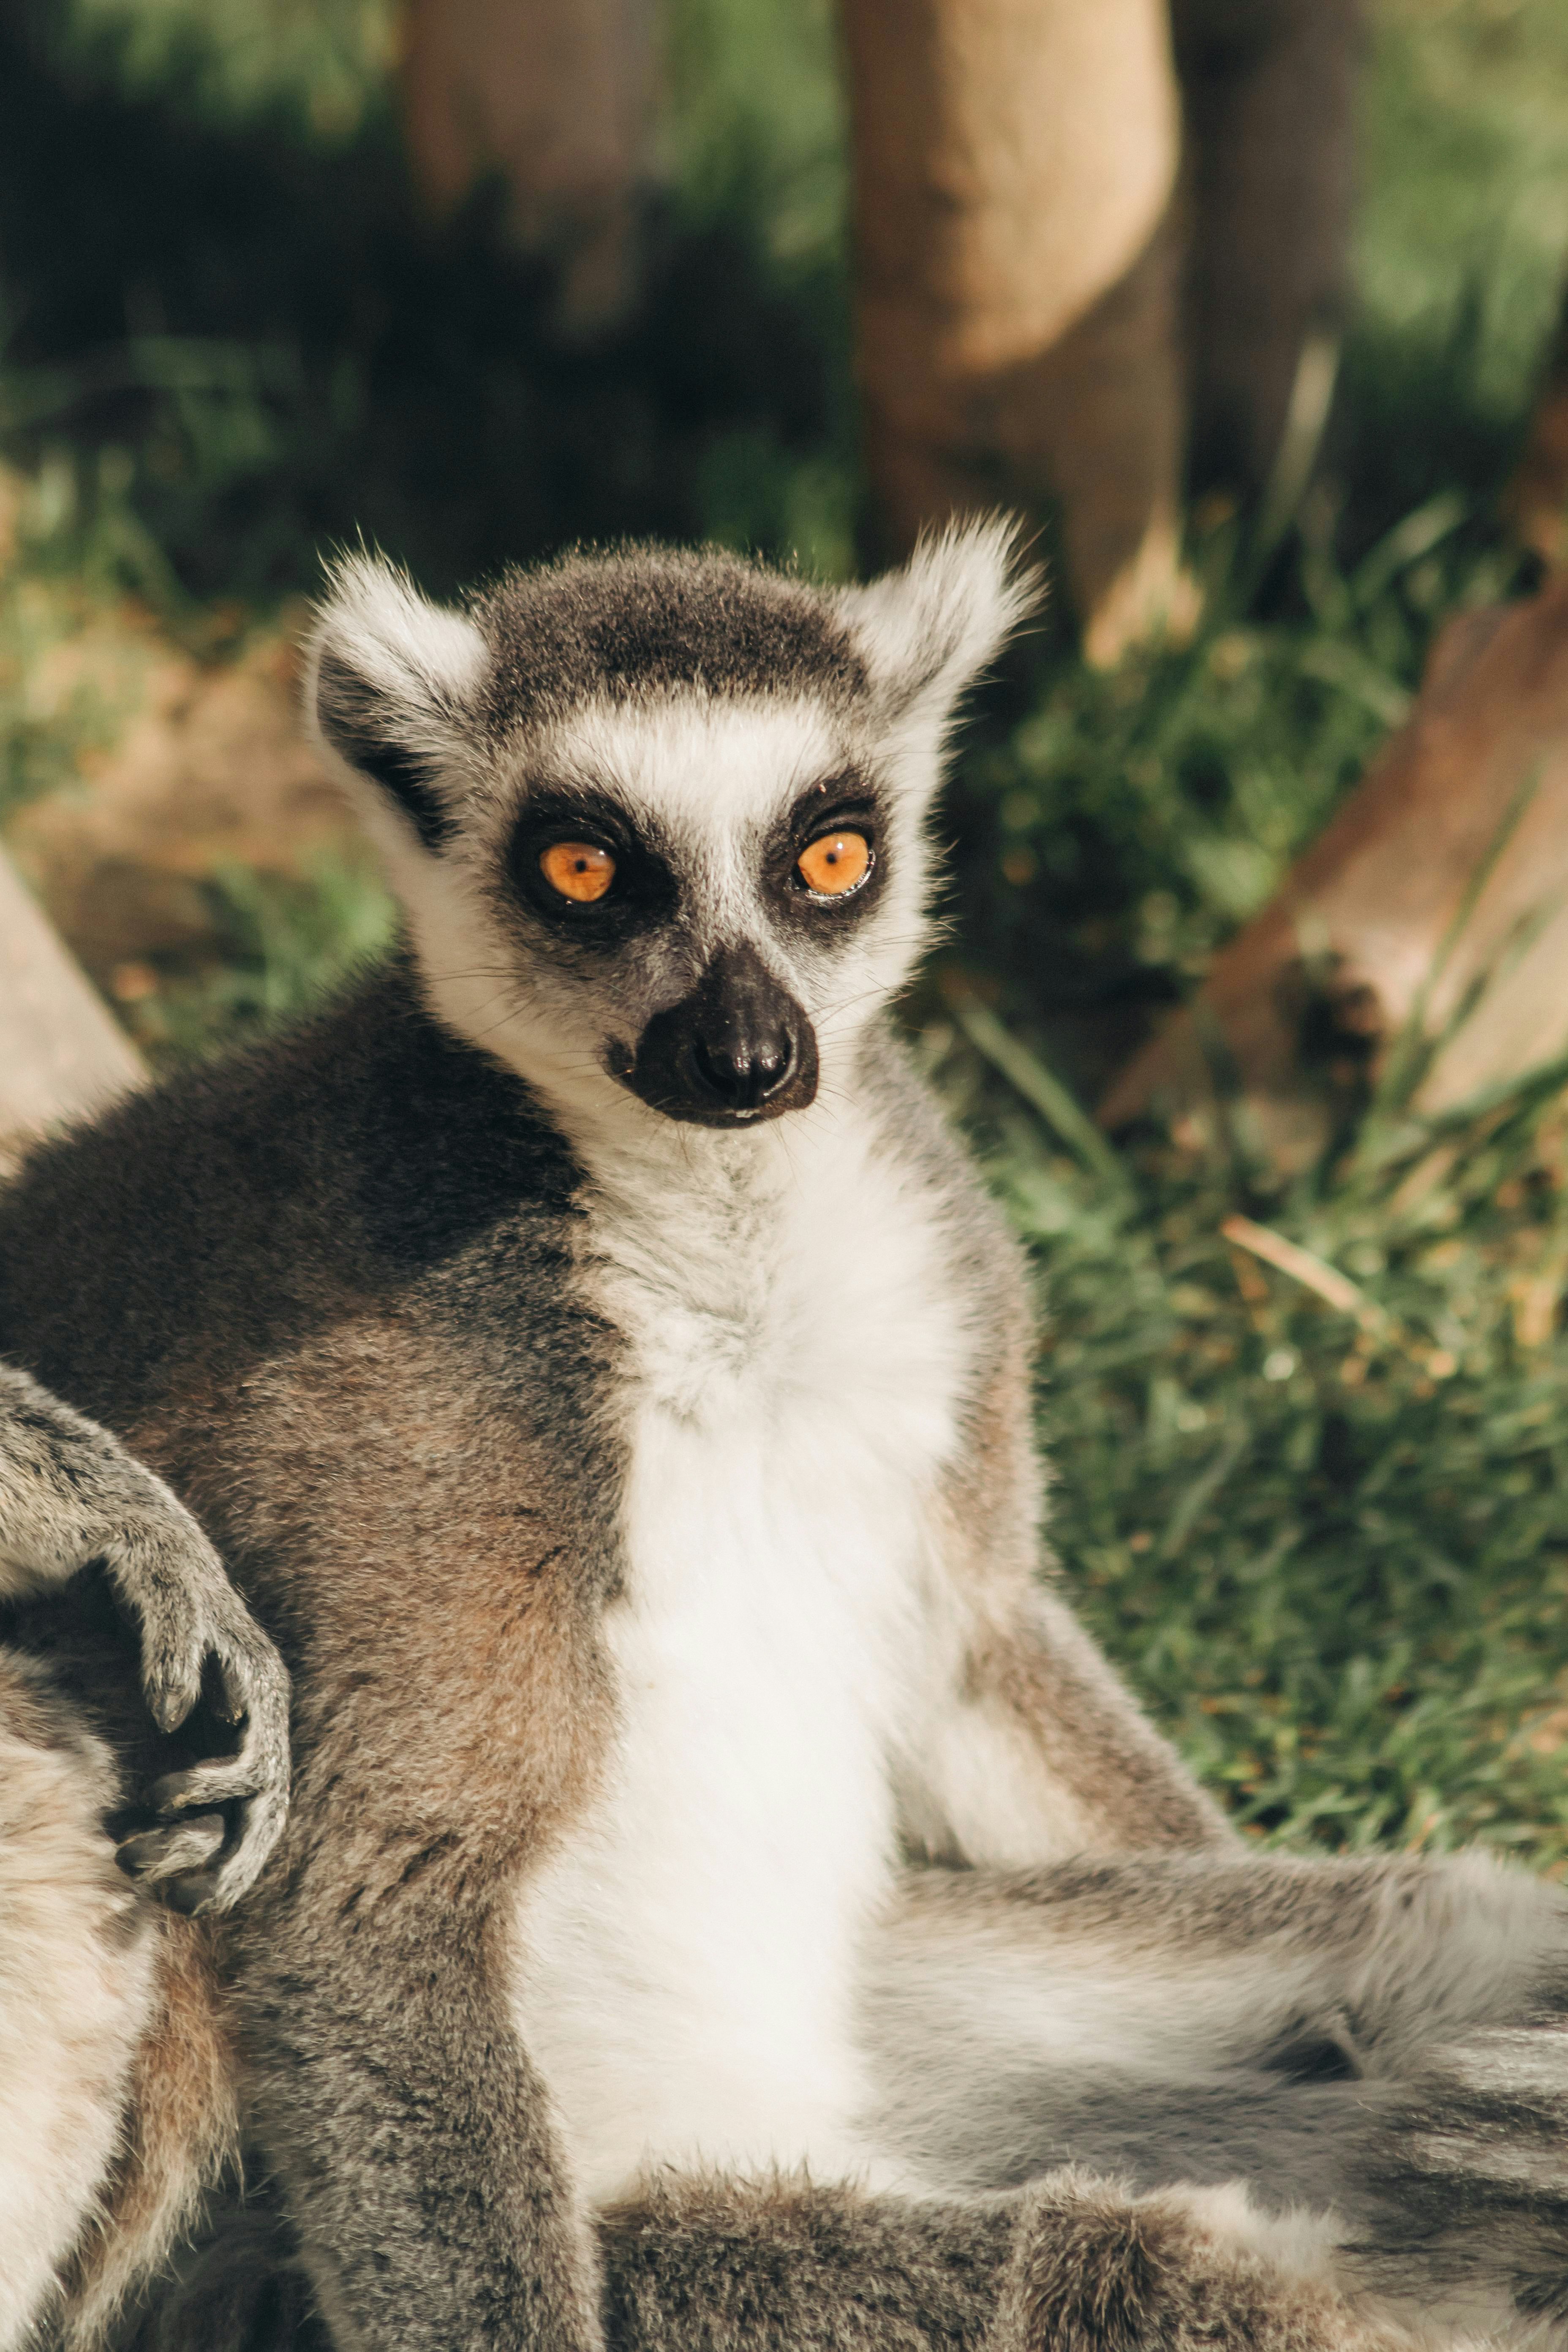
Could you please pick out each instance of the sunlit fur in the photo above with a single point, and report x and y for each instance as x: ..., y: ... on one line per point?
x: 78, y: 1943
x: 798, y: 1361
x: 712, y: 773
x: 75, y: 1994
x: 804, y: 1344
x: 727, y: 1897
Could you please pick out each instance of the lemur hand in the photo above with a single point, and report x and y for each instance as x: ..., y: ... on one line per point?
x: 218, y: 1820
x: 71, y: 1495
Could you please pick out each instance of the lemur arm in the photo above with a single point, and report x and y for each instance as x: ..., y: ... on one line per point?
x: 1036, y: 1751
x: 1031, y: 1748
x: 397, y: 2110
x: 70, y: 1495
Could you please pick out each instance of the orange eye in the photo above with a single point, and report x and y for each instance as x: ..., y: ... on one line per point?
x: 578, y: 869
x: 834, y: 863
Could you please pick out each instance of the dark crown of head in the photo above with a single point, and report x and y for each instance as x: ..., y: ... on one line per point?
x: 644, y: 620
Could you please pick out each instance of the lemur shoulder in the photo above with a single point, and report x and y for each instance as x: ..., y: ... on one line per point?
x: 726, y: 1898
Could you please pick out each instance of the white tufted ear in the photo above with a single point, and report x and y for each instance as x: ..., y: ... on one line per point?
x: 927, y: 631
x: 390, y: 687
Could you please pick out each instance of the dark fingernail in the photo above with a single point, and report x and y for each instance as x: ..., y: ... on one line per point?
x: 168, y: 1797
x: 216, y: 1690
x: 137, y: 1854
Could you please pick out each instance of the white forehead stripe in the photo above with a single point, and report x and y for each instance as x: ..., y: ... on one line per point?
x: 706, y: 774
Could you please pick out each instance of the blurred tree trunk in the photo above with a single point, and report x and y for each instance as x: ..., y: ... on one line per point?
x: 1017, y: 271
x: 1269, y: 88
x: 61, y: 1053
x: 557, y: 96
x: 1439, y: 893
x: 1022, y: 224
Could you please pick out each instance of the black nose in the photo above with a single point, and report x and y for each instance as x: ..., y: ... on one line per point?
x: 740, y: 1071
x: 739, y: 1047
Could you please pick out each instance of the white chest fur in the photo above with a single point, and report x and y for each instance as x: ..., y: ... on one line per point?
x: 689, y: 1959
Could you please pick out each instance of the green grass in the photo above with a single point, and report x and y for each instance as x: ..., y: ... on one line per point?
x: 283, y: 945
x: 1330, y: 1550
x: 1459, y: 247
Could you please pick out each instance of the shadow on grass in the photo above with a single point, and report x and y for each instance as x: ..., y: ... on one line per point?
x: 279, y: 354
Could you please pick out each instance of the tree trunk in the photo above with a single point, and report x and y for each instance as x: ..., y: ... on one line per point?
x: 557, y: 96
x: 1022, y: 264
x: 1469, y: 797
x: 1016, y: 280
x: 1269, y: 88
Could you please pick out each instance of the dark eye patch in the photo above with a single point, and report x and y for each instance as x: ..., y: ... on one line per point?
x: 643, y: 892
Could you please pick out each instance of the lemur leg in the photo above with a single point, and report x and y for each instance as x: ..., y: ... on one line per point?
x: 1386, y: 2037
x: 1074, y: 2265
x: 717, y: 2264
x: 398, y: 2113
x: 77, y: 1960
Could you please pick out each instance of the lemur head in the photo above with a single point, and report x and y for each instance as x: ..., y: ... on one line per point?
x: 658, y: 819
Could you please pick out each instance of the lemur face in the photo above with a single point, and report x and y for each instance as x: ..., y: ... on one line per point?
x: 713, y: 876
x: 658, y: 821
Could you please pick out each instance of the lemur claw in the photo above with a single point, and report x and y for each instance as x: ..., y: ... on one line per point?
x: 72, y: 1497
x: 154, y: 1857
x: 207, y: 1642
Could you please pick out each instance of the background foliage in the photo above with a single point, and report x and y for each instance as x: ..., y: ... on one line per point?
x: 1331, y: 1548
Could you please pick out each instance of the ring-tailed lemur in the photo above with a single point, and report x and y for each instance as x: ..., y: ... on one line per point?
x: 79, y: 1995
x: 726, y: 1900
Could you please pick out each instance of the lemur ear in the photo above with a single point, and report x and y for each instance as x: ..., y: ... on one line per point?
x: 927, y: 631
x: 389, y: 683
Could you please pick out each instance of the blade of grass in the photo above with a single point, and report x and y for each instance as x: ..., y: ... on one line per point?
x: 1416, y: 536
x: 1304, y: 1265
x: 1201, y: 1492
x: 1306, y: 420
x: 1530, y: 1087
x: 1041, y: 1089
x: 1413, y: 1049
